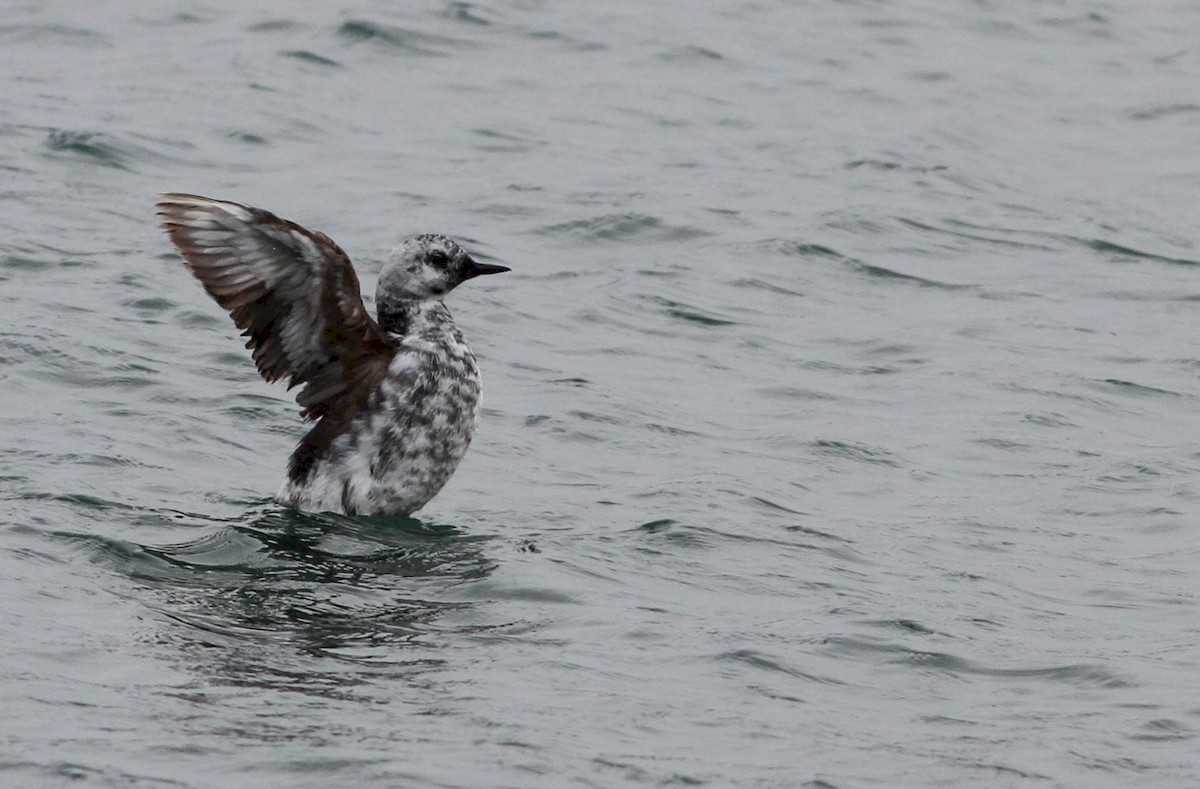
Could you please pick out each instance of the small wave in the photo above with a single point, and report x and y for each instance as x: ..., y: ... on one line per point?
x: 507, y: 142
x: 469, y: 13
x: 1164, y: 111
x: 1121, y: 251
x: 975, y: 234
x: 882, y: 272
x: 886, y: 165
x: 54, y: 35
x: 795, y: 248
x: 690, y: 314
x: 1135, y: 389
x: 690, y: 55
x: 310, y: 57
x: 626, y: 227
x: 107, y: 150
x: 857, y: 452
x: 758, y: 660
x: 399, y: 38
x: 95, y: 146
x: 1079, y: 675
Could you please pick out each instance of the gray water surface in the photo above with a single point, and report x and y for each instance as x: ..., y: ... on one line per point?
x: 841, y: 421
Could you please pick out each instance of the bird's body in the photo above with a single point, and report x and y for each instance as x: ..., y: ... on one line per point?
x: 395, y: 401
x: 411, y: 435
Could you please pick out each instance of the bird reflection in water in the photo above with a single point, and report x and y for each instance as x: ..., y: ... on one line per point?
x: 309, y: 602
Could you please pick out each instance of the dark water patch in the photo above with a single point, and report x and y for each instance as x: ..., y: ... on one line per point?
x: 690, y: 55
x: 398, y: 38
x: 81, y: 500
x: 880, y: 272
x: 468, y: 13
x: 93, y: 146
x: 1157, y: 296
x: 906, y: 625
x: 1093, y: 23
x: 860, y: 453
x: 808, y: 530
x: 255, y: 414
x: 751, y: 283
x: 508, y: 211
x: 106, y: 150
x: 558, y: 427
x: 802, y: 249
x: 1004, y: 770
x: 657, y: 526
x: 568, y: 42
x: 1164, y: 729
x: 795, y: 393
x: 313, y: 58
x: 272, y: 26
x: 507, y: 142
x: 795, y: 248
x: 858, y: 225
x: 605, y: 419
x: 1048, y: 420
x: 970, y: 233
x: 887, y: 165
x: 772, y: 505
x: 93, y: 376
x: 690, y: 314
x: 193, y: 319
x: 738, y: 534
x: 1121, y: 253
x: 151, y: 304
x: 758, y: 660
x: 631, y: 227
x: 54, y: 35
x: 670, y: 535
x: 869, y: 369
x: 20, y: 263
x: 68, y: 773
x: 249, y: 138
x: 931, y: 76
x: 1132, y: 389
x: 1004, y: 444
x: 527, y: 594
x: 1164, y: 111
x: 673, y: 431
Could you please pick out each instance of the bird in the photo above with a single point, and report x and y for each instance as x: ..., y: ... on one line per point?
x: 395, y: 399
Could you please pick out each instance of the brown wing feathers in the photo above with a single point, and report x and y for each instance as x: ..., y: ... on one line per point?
x: 293, y: 293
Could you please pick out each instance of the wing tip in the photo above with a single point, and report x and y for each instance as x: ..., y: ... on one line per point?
x: 173, y: 204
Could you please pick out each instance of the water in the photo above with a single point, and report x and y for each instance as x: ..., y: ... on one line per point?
x: 840, y: 421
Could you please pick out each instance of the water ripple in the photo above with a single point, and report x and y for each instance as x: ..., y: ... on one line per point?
x: 630, y: 227
x: 398, y: 38
x: 1080, y: 675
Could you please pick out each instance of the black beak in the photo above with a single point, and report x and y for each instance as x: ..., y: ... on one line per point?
x: 476, y: 269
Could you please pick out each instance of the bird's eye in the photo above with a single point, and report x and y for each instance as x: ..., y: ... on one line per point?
x: 438, y: 258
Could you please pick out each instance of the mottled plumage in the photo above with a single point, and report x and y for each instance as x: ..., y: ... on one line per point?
x: 395, y: 401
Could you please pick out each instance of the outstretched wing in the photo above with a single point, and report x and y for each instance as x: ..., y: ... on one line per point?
x: 293, y: 293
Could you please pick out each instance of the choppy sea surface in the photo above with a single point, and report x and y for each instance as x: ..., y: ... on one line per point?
x: 841, y: 421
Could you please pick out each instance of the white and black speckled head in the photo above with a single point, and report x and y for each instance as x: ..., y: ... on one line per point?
x: 427, y: 267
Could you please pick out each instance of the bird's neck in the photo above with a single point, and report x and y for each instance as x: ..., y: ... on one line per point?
x: 414, y: 317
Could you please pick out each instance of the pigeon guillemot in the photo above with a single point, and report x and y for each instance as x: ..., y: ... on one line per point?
x: 395, y: 401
